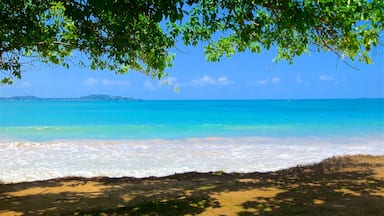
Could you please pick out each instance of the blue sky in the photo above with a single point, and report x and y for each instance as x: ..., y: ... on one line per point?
x: 243, y: 76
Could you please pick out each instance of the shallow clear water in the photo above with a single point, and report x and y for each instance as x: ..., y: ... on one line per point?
x: 51, y: 120
x: 46, y: 139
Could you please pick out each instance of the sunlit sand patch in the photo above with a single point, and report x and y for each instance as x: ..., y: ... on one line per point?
x: 126, y: 198
x: 10, y: 213
x: 232, y: 203
x: 347, y: 191
x: 318, y: 202
x: 249, y: 180
x: 206, y: 187
x: 379, y: 192
x: 379, y: 171
x: 89, y: 188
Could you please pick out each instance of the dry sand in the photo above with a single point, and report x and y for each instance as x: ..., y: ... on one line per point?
x: 349, y: 185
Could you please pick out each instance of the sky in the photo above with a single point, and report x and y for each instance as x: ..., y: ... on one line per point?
x: 242, y: 76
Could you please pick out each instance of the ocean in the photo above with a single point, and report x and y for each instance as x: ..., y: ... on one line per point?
x: 42, y: 139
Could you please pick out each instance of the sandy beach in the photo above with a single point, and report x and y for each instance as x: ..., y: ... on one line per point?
x: 348, y: 185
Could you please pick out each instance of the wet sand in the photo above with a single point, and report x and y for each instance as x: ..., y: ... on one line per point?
x: 348, y: 185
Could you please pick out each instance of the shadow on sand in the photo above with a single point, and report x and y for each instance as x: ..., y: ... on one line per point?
x: 350, y: 185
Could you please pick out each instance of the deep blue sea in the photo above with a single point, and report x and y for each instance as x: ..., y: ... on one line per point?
x: 53, y: 138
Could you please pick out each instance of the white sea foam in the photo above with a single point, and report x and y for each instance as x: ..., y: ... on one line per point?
x: 29, y: 161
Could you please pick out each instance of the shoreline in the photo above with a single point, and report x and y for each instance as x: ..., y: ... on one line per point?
x: 345, y: 185
x: 157, y: 157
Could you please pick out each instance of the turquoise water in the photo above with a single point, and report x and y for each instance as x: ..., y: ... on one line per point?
x: 52, y: 120
x: 49, y: 139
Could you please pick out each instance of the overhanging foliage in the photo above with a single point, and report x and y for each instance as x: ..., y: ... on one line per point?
x: 138, y: 34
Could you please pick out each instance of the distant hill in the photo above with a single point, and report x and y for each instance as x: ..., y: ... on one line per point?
x: 105, y: 97
x: 89, y: 97
x: 22, y: 98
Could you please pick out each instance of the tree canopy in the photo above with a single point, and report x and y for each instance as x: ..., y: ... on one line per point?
x: 123, y: 35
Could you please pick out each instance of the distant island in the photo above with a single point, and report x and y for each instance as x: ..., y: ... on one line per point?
x: 88, y: 97
x: 106, y: 97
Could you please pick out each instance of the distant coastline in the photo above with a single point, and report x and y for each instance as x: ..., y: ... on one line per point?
x: 94, y: 97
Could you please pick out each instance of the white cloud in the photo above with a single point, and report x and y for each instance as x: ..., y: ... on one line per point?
x: 105, y: 82
x: 148, y: 85
x: 207, y: 80
x: 25, y: 84
x: 223, y: 80
x: 262, y: 82
x: 169, y: 81
x: 326, y: 78
x: 152, y: 85
x: 91, y: 82
x: 299, y: 79
x: 273, y: 80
